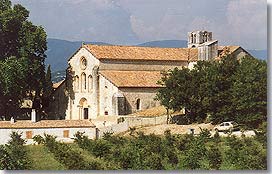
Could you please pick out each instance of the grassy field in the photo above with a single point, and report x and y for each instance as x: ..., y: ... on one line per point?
x: 42, y: 159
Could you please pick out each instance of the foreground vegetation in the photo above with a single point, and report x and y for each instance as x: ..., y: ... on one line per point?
x: 138, y: 152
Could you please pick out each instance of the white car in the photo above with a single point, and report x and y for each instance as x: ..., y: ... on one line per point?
x: 227, y: 126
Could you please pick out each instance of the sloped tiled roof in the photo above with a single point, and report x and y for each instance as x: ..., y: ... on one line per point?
x: 116, y: 52
x: 223, y: 50
x: 21, y: 124
x: 147, y: 79
x: 232, y: 48
x: 56, y: 85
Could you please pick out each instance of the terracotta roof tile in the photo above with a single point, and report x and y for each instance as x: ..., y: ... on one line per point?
x: 223, y: 50
x: 22, y: 124
x: 147, y: 79
x: 142, y: 53
x: 56, y: 85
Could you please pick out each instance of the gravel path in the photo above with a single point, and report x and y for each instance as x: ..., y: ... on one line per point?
x: 175, y: 129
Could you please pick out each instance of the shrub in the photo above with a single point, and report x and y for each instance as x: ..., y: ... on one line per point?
x: 38, y: 139
x: 13, y: 155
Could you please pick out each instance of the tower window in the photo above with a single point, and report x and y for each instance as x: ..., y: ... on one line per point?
x: 194, y: 38
x: 138, y: 104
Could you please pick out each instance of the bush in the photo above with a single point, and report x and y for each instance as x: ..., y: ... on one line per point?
x: 13, y: 155
x: 38, y: 139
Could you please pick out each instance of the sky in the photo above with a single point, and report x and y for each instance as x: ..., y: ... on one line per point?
x: 128, y: 22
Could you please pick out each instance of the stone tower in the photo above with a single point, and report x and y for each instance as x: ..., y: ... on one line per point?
x: 196, y: 38
x: 202, y: 40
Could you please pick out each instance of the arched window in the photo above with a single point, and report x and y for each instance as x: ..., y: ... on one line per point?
x: 83, y: 82
x: 194, y: 38
x: 205, y: 37
x: 76, y: 83
x: 83, y: 63
x: 138, y: 104
x: 90, y: 82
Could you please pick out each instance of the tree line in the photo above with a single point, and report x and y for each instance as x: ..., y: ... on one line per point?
x: 216, y: 91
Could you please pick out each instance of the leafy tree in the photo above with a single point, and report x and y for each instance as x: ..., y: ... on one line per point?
x: 228, y: 89
x: 12, y: 78
x: 249, y: 92
x: 47, y: 90
x: 22, y: 48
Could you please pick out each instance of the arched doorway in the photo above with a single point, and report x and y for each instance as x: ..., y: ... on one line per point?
x: 83, y: 109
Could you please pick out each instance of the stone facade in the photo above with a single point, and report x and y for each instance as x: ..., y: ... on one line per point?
x: 119, y: 80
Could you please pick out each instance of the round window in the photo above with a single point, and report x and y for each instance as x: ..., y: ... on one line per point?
x: 83, y: 63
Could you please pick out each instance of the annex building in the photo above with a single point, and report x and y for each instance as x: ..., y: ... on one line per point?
x: 119, y: 80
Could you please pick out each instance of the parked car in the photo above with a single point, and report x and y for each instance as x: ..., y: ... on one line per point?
x: 227, y: 126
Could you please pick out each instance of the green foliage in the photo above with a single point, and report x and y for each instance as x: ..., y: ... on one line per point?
x: 142, y: 152
x: 72, y: 159
x: 244, y: 154
x: 226, y: 90
x: 194, y: 154
x: 22, y: 54
x: 39, y: 139
x: 48, y: 89
x: 13, y: 156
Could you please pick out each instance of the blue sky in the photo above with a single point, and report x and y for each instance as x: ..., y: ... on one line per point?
x: 233, y: 22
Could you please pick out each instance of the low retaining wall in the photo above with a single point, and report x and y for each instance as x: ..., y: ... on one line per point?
x: 62, y: 134
x: 131, y: 122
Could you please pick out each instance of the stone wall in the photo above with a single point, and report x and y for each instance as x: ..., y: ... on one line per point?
x: 240, y: 53
x: 106, y: 92
x: 146, y: 96
x: 130, y: 122
x: 141, y: 65
x: 63, y: 134
x: 59, y: 105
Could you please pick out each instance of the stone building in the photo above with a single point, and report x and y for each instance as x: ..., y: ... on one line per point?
x: 119, y: 80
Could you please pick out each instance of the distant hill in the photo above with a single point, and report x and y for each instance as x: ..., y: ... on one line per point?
x: 58, y: 76
x: 59, y: 51
x: 165, y: 44
x: 260, y: 54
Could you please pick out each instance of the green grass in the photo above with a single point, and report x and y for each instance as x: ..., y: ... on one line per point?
x: 42, y: 159
x: 88, y: 157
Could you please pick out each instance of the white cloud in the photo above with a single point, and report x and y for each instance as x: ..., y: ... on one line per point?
x: 238, y: 22
x: 247, y: 22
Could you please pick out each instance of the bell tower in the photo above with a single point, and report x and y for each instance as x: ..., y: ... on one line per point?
x: 202, y: 40
x: 195, y: 38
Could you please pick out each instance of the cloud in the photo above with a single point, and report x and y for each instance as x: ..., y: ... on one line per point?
x: 88, y: 20
x: 236, y: 22
x: 246, y: 21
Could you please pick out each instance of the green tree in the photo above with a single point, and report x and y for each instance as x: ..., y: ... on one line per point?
x: 47, y: 91
x: 228, y: 89
x: 12, y: 78
x: 23, y: 43
x: 249, y: 92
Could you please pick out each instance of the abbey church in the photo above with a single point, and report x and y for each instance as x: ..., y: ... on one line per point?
x: 119, y: 80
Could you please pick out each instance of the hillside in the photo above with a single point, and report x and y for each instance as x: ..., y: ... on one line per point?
x: 59, y: 51
x: 165, y: 44
x: 260, y: 54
